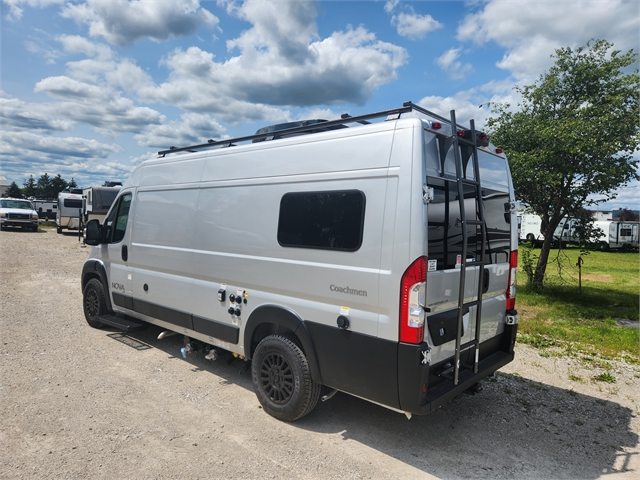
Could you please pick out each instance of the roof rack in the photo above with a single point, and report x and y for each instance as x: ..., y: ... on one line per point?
x: 311, y: 126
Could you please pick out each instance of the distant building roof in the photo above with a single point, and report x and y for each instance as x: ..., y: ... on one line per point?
x: 4, y: 182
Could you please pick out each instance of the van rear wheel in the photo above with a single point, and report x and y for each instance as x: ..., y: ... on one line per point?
x: 93, y: 303
x: 282, y: 379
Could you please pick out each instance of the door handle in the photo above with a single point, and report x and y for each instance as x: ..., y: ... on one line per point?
x: 485, y: 281
x: 125, y: 253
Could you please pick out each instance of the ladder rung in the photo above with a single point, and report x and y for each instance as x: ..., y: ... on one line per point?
x: 467, y: 346
x: 466, y: 181
x: 472, y: 303
x: 474, y: 222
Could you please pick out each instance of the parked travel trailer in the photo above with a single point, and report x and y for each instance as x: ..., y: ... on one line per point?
x: 529, y: 232
x: 375, y: 255
x: 46, y: 208
x: 623, y: 235
x: 98, y: 200
x: 69, y: 211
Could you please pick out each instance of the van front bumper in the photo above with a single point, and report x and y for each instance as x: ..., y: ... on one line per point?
x: 421, y: 388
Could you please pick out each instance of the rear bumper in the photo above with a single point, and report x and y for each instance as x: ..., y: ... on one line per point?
x: 414, y: 376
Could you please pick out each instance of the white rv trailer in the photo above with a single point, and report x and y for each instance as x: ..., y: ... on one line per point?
x: 69, y: 212
x: 530, y: 224
x: 46, y: 208
x: 375, y: 255
x: 617, y: 235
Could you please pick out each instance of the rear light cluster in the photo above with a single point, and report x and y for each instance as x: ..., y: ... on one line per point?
x: 413, y: 290
x: 511, y: 285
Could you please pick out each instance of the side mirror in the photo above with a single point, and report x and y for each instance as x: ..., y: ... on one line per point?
x: 93, y: 232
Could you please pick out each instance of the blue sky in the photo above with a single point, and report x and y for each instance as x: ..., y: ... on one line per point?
x: 89, y: 89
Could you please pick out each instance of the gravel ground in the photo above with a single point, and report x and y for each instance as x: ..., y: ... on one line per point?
x: 81, y: 403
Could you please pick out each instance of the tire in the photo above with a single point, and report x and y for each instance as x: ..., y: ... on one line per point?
x: 531, y: 240
x: 93, y: 303
x: 35, y: 229
x: 604, y: 246
x: 58, y: 229
x: 282, y: 379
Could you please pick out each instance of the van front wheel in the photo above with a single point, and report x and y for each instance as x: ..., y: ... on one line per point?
x: 282, y: 379
x: 93, y: 303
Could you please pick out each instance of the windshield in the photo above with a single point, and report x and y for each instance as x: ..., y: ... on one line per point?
x: 23, y: 204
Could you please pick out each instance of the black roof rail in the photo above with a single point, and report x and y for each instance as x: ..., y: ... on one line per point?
x: 310, y: 127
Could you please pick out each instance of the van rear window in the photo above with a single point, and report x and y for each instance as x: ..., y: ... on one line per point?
x: 323, y: 220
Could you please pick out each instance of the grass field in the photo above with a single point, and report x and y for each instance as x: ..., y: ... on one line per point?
x: 584, y: 323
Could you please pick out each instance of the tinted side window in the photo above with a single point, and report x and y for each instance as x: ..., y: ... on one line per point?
x: 72, y: 203
x: 115, y: 225
x: 323, y: 220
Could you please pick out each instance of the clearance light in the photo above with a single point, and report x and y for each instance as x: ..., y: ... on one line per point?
x: 499, y: 150
x: 461, y: 133
x: 413, y: 288
x: 436, y: 125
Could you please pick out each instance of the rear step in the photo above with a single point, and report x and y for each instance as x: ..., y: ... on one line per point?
x: 125, y: 324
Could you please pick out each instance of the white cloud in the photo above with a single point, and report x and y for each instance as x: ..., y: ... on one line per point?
x: 16, y: 115
x: 390, y: 5
x: 347, y: 66
x: 61, y: 147
x: 531, y: 32
x: 15, y: 6
x: 449, y: 63
x: 124, y: 22
x: 414, y: 26
x: 98, y: 106
x: 194, y: 128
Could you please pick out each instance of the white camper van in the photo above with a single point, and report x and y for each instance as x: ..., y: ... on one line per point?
x: 617, y: 234
x: 375, y: 255
x: 69, y: 211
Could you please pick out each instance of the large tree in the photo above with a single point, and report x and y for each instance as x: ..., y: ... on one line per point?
x: 570, y: 141
x: 30, y: 189
x: 14, y: 191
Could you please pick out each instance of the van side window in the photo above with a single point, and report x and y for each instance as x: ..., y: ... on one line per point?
x: 116, y: 223
x: 323, y: 220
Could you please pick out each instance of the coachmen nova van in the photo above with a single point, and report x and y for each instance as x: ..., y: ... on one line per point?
x: 373, y: 255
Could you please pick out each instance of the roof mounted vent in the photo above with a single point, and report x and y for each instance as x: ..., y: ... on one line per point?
x: 280, y: 127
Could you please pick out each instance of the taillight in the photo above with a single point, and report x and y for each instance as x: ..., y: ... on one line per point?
x: 511, y: 285
x: 412, y: 300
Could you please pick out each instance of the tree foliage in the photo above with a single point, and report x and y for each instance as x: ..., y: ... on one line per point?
x: 13, y: 191
x: 572, y: 136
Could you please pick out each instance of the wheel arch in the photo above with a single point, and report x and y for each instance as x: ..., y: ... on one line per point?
x: 96, y: 269
x: 273, y: 319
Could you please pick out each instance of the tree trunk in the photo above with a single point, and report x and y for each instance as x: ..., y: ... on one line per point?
x: 541, y: 267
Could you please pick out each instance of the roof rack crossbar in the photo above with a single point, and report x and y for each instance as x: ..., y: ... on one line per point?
x: 345, y: 118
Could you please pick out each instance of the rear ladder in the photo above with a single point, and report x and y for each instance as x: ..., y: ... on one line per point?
x: 467, y: 139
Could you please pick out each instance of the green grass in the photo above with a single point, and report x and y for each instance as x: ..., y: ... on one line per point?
x: 564, y: 319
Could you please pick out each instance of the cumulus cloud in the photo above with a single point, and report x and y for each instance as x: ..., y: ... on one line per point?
x: 408, y: 23
x: 193, y: 128
x: 123, y: 22
x: 530, y: 34
x: 449, y: 63
x: 345, y: 67
x: 14, y: 7
x: 98, y: 106
x: 57, y: 146
x: 16, y: 115
x: 414, y: 26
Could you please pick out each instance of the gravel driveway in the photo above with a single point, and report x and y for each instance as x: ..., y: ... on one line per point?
x: 81, y: 403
